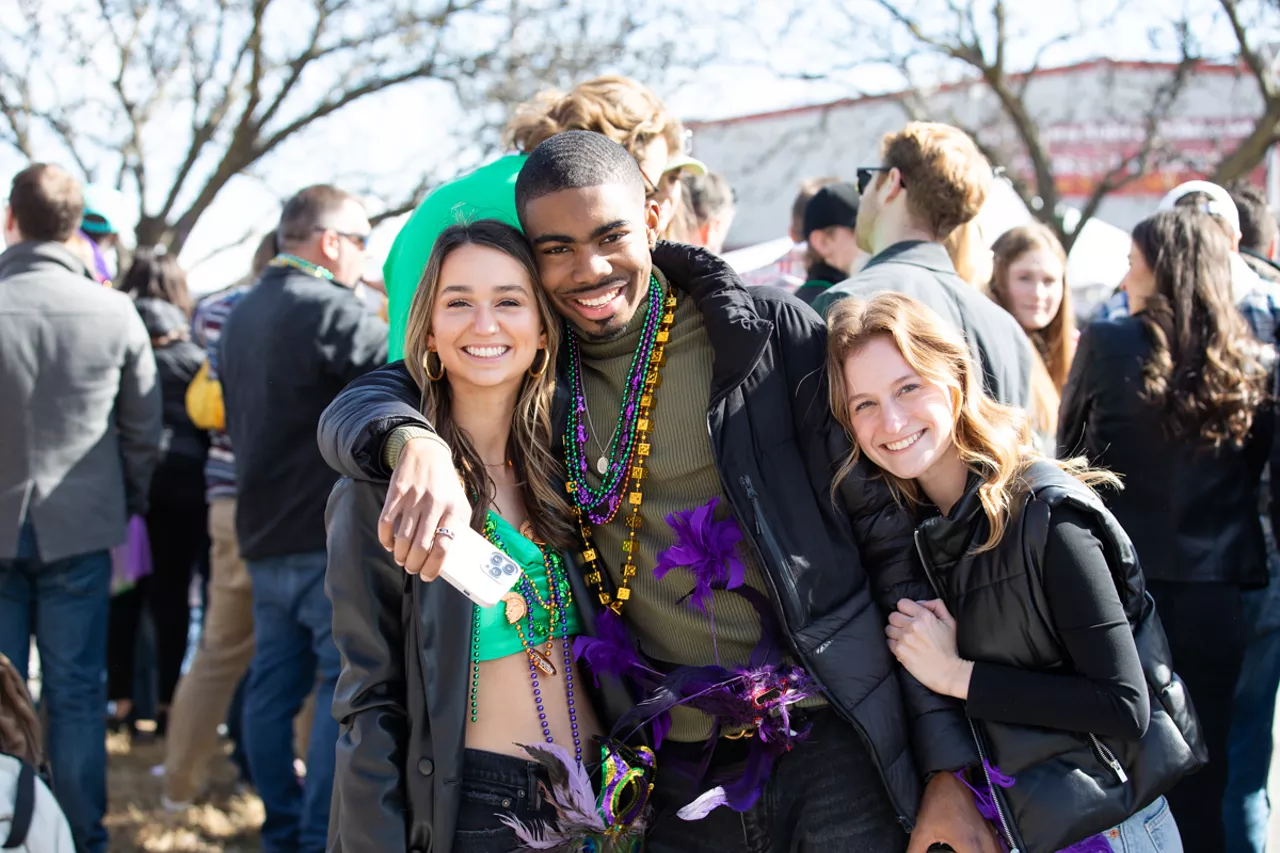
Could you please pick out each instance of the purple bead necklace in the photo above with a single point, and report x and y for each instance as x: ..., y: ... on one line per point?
x: 600, y: 505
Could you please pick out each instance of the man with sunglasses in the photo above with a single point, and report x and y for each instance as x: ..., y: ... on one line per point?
x: 931, y: 180
x: 290, y: 345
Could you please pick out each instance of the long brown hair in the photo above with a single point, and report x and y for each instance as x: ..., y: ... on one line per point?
x: 156, y: 274
x: 1056, y: 342
x: 992, y: 439
x: 1206, y: 371
x: 529, y: 446
x: 969, y: 254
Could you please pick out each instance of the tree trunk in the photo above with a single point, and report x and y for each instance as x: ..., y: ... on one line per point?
x: 1253, y: 150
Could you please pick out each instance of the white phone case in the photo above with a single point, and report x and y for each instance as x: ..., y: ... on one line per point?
x: 478, y: 570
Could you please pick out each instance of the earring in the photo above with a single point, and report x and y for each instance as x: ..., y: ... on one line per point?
x: 426, y: 365
x: 546, y: 360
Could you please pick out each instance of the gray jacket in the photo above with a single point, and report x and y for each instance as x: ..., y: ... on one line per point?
x: 924, y: 271
x: 79, y: 405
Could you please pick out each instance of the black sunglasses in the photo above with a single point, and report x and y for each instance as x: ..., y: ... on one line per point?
x: 361, y: 240
x: 866, y: 173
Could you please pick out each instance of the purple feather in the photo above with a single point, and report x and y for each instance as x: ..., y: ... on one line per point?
x: 707, y: 549
x: 578, y: 817
x: 610, y: 650
x: 1092, y: 844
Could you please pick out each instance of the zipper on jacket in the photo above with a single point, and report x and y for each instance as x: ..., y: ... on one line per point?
x: 995, y: 797
x: 766, y: 533
x: 1109, y: 759
x: 929, y: 571
x: 935, y: 582
x: 775, y: 552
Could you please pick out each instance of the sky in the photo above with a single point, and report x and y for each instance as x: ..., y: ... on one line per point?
x: 764, y: 63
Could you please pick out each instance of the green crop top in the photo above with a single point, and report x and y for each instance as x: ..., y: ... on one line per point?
x: 493, y: 636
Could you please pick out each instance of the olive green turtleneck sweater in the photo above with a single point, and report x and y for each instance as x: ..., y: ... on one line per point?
x: 682, y: 475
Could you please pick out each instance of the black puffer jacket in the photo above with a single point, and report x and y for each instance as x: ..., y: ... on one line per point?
x: 1069, y: 785
x: 1191, y: 509
x: 777, y: 447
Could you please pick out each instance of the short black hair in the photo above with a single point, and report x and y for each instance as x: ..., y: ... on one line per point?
x: 1258, y: 228
x: 573, y: 160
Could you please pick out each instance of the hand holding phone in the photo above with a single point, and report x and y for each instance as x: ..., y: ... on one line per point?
x: 478, y: 570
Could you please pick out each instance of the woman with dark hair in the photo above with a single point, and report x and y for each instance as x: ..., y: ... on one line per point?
x: 443, y: 703
x: 177, y: 514
x: 1029, y: 280
x: 1175, y: 399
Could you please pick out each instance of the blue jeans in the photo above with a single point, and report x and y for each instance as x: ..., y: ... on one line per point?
x: 294, y: 651
x: 1246, y: 808
x: 1152, y: 830
x: 65, y: 604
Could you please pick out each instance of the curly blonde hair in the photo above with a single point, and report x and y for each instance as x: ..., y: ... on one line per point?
x: 618, y: 107
x: 992, y: 439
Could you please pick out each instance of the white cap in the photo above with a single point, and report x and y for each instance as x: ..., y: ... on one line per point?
x: 1219, y: 204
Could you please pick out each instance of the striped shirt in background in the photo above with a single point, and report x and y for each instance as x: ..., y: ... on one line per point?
x: 206, y: 329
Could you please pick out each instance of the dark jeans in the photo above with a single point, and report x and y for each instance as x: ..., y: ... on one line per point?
x: 294, y: 652
x: 1205, y: 626
x: 1246, y: 810
x: 825, y: 795
x: 64, y: 603
x: 493, y: 785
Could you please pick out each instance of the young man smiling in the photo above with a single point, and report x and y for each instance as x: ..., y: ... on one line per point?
x: 740, y: 416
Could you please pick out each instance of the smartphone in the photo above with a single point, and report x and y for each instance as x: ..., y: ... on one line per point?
x: 478, y: 570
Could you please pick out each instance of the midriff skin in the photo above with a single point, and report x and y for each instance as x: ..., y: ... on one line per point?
x: 508, y: 716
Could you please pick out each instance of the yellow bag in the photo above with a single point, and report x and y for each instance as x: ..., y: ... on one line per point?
x: 204, y: 401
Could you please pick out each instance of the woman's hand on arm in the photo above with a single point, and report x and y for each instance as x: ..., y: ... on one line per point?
x: 922, y: 636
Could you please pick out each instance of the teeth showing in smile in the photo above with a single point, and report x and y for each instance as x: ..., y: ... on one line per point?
x: 906, y: 442
x: 486, y: 352
x: 601, y: 300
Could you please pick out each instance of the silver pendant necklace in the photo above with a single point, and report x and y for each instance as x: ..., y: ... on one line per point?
x: 602, y: 463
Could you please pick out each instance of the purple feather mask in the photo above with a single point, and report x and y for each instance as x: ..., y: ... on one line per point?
x: 707, y: 549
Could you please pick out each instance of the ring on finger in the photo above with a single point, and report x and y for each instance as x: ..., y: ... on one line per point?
x: 445, y: 532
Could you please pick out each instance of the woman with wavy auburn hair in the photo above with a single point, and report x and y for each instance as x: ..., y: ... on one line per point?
x: 1175, y: 398
x: 1041, y: 624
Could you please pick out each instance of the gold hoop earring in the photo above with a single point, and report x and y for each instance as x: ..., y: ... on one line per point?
x: 546, y: 360
x: 426, y: 365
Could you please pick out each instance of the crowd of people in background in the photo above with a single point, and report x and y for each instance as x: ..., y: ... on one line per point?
x: 170, y: 549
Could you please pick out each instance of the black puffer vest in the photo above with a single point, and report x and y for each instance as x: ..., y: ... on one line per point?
x: 1069, y: 785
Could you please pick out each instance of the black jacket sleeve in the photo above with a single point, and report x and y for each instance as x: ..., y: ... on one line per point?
x: 1105, y: 692
x: 883, y: 532
x: 356, y: 424
x: 351, y: 341
x: 369, y: 594
x: 1077, y: 399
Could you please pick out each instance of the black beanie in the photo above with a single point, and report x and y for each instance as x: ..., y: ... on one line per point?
x: 834, y: 204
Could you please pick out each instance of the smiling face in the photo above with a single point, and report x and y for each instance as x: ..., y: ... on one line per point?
x: 485, y: 325
x: 901, y: 421
x: 1035, y: 288
x: 593, y: 251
